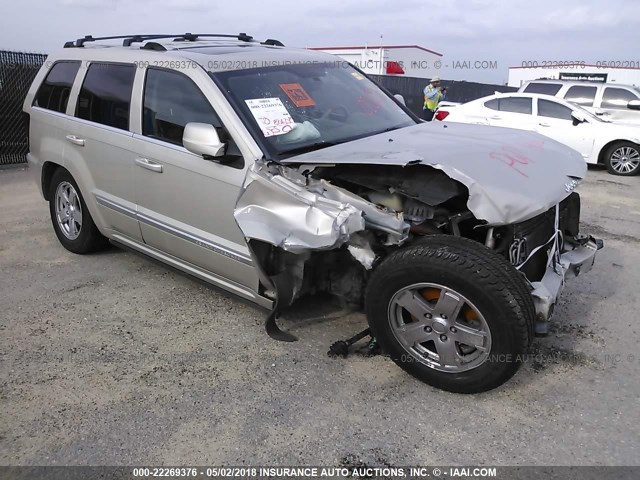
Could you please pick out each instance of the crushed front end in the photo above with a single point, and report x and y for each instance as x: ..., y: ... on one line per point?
x: 548, y: 249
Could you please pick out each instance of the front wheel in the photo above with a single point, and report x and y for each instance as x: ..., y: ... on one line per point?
x: 452, y: 313
x: 623, y: 158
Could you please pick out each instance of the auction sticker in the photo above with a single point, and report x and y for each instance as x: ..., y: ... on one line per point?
x: 271, y: 115
x: 297, y: 94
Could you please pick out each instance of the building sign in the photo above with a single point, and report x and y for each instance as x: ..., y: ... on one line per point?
x: 584, y: 77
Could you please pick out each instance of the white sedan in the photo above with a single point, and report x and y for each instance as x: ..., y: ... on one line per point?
x: 615, y: 145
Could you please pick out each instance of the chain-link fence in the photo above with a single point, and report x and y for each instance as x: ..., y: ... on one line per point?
x: 17, y: 71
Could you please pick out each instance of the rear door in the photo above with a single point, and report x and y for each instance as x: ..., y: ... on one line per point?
x: 554, y: 120
x: 510, y: 112
x: 99, y: 145
x: 48, y: 114
x: 185, y: 203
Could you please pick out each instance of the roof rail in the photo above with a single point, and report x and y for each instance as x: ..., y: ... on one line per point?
x: 186, y: 37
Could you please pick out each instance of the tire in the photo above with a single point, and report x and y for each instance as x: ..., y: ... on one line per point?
x: 472, y: 294
x: 623, y: 158
x: 70, y: 217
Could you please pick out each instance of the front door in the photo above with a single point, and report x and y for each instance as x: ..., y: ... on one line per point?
x: 185, y: 203
x: 554, y: 120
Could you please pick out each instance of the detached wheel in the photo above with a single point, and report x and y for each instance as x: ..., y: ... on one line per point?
x: 452, y: 313
x: 71, y: 220
x: 623, y: 158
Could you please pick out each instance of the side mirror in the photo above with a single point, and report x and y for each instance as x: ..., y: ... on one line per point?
x: 578, y: 117
x: 634, y: 105
x: 400, y: 98
x: 203, y: 139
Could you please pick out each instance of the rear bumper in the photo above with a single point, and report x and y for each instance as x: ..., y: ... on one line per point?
x: 571, y: 264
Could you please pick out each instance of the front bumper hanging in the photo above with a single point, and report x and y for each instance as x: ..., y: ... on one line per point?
x: 569, y: 264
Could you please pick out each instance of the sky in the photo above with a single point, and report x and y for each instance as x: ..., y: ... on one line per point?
x: 506, y: 33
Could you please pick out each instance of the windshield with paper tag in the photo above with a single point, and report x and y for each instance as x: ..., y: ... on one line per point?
x: 296, y: 108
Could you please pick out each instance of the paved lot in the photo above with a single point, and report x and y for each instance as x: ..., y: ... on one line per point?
x: 111, y: 359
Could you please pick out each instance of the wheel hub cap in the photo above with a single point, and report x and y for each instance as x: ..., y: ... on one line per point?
x: 68, y: 210
x: 439, y: 327
x: 625, y: 159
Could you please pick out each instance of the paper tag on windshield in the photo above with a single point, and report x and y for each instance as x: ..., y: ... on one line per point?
x: 271, y: 115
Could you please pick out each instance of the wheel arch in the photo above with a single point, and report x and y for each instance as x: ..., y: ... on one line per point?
x: 605, y: 148
x: 48, y: 170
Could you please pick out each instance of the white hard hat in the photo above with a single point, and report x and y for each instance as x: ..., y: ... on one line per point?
x: 435, y: 79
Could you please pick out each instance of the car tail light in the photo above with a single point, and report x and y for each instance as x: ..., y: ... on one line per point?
x: 441, y: 114
x: 394, y: 68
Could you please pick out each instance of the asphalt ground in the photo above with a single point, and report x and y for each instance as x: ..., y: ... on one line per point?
x: 110, y: 359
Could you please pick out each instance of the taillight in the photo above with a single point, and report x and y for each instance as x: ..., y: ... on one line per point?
x: 441, y: 114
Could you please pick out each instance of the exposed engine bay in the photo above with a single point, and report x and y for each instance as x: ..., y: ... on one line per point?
x: 323, y: 228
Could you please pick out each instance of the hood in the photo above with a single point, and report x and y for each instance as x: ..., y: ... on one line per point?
x: 512, y: 175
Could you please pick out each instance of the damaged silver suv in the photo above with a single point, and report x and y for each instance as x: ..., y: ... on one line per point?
x: 274, y: 173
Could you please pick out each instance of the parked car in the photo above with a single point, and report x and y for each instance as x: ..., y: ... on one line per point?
x: 617, y: 102
x: 274, y: 173
x: 599, y: 142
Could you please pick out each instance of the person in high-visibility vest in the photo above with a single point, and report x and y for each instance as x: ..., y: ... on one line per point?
x: 433, y: 94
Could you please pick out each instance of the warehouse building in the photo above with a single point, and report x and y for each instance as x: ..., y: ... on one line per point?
x: 627, y: 73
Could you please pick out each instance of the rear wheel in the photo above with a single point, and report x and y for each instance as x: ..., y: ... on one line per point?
x: 623, y: 158
x: 451, y: 313
x: 70, y: 217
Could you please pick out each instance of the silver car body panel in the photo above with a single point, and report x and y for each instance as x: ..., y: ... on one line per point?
x: 511, y: 175
x: 281, y: 209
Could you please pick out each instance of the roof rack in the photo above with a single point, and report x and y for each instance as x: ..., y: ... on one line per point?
x: 186, y: 37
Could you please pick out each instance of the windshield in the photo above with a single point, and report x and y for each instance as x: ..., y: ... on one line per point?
x: 301, y: 107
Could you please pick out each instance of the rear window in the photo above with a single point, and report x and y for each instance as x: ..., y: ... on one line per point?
x: 105, y: 96
x: 582, y: 95
x: 53, y: 94
x: 543, y: 88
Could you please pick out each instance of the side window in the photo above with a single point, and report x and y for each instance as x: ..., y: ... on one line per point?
x: 550, y: 109
x: 510, y: 104
x: 544, y: 88
x: 105, y: 96
x: 493, y: 104
x: 516, y: 105
x: 171, y: 100
x: 53, y: 94
x: 617, y: 97
x: 582, y: 95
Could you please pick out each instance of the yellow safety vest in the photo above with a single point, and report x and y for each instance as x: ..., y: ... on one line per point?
x: 432, y: 103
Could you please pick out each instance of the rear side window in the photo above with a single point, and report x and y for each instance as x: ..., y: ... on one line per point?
x: 511, y: 104
x: 550, y: 109
x: 617, y: 97
x: 544, y: 88
x: 53, y: 94
x: 582, y: 95
x: 171, y: 100
x: 105, y: 96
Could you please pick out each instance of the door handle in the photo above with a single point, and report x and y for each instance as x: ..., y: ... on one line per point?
x: 496, y: 117
x: 75, y: 140
x: 149, y: 165
x: 544, y: 124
